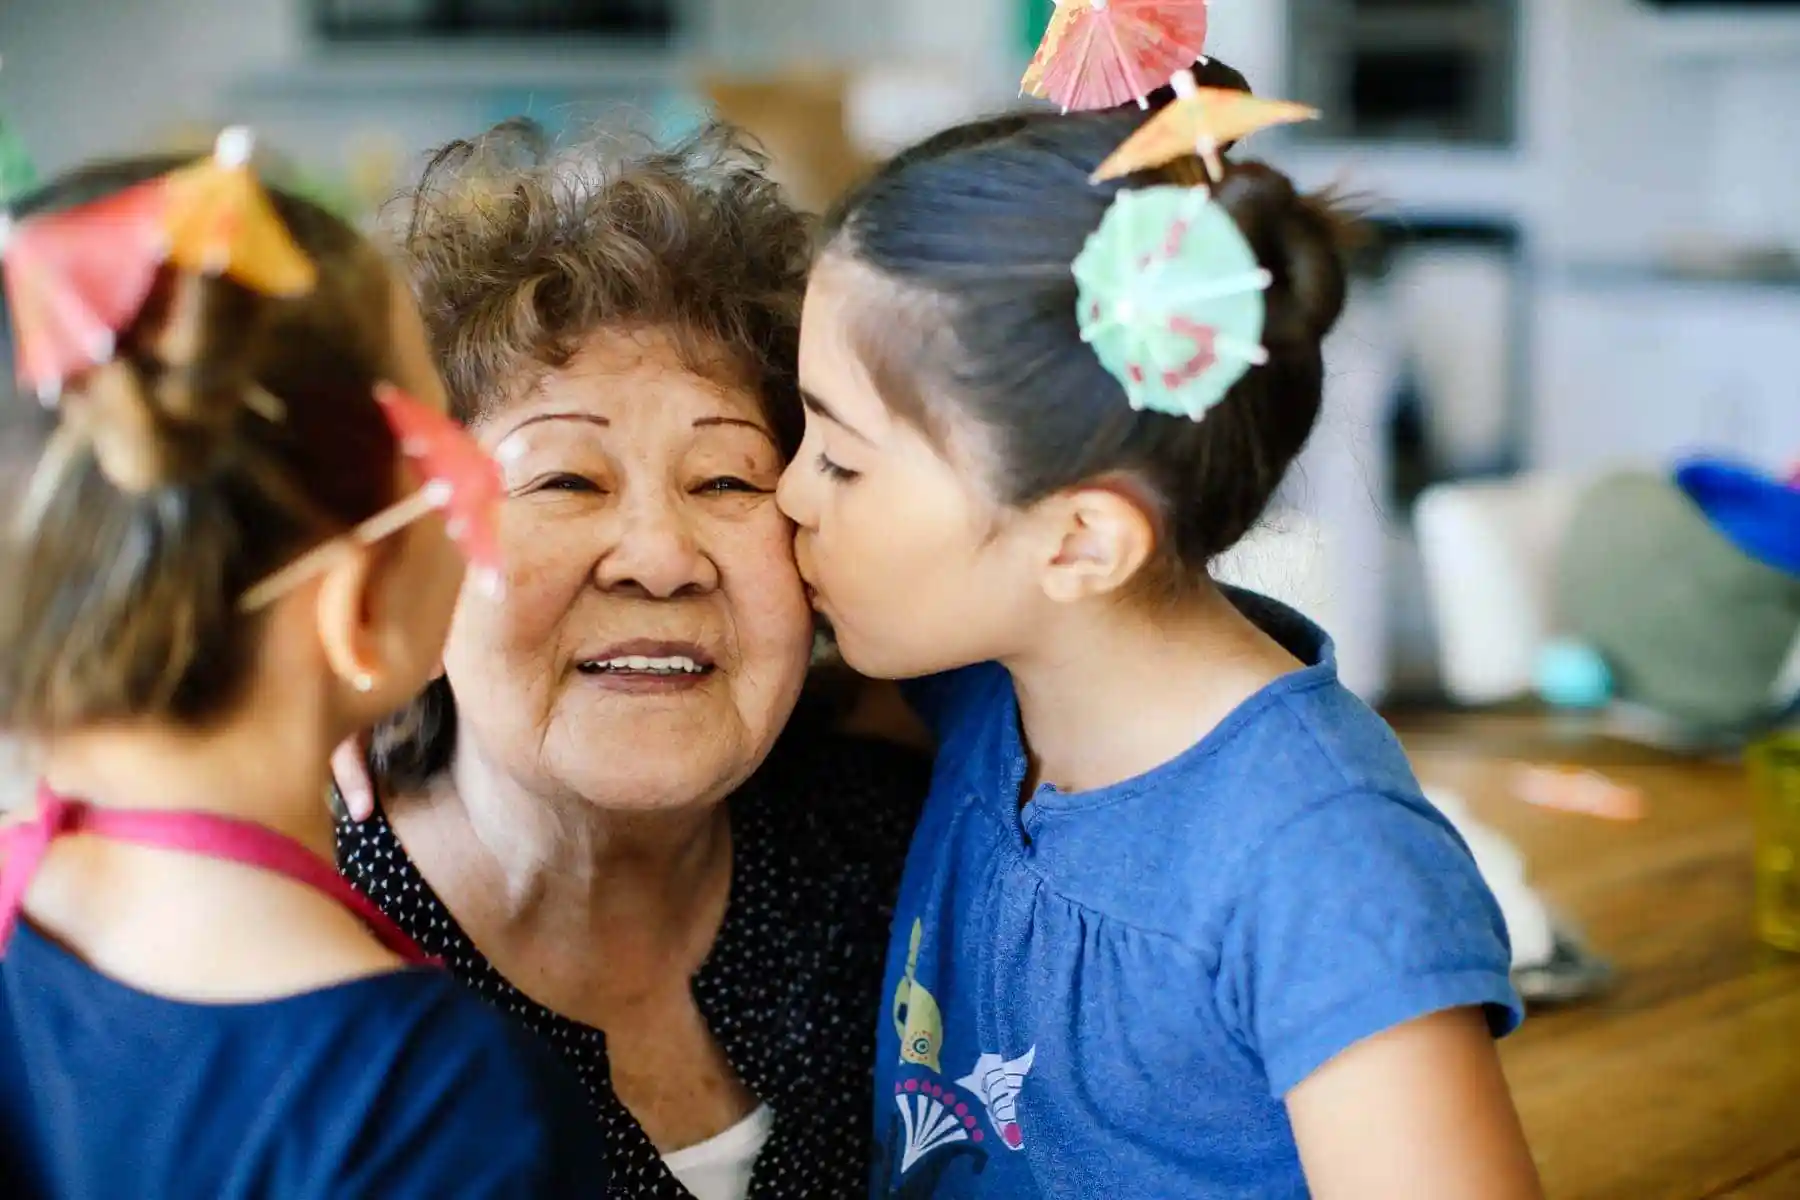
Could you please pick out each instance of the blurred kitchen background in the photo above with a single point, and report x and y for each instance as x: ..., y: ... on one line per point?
x: 1588, y: 206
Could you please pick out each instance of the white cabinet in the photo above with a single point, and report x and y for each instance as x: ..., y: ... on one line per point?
x: 1644, y: 370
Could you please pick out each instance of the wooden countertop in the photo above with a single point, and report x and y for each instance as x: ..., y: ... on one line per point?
x: 1684, y: 1081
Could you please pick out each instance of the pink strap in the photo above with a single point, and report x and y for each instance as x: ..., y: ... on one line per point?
x: 208, y: 835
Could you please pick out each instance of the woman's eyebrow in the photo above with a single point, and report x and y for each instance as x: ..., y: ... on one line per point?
x: 705, y: 422
x: 540, y: 418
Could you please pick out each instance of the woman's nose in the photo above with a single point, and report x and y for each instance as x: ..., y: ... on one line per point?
x: 656, y: 553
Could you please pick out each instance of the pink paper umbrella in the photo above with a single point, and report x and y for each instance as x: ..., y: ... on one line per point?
x: 1103, y: 53
x: 76, y: 279
x: 461, y: 480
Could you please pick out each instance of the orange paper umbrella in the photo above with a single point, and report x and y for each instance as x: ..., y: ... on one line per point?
x: 222, y: 222
x: 76, y: 279
x: 1200, y: 121
x: 1107, y: 52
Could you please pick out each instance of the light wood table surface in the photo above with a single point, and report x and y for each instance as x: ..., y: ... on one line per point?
x: 1684, y: 1082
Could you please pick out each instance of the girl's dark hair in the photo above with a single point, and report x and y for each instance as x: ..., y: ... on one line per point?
x: 1208, y: 73
x: 520, y: 255
x: 160, y: 489
x: 975, y: 231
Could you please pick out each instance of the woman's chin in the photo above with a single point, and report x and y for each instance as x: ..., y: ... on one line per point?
x: 699, y: 732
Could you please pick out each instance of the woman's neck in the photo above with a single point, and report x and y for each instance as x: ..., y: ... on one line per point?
x: 562, y: 870
x: 1106, y: 695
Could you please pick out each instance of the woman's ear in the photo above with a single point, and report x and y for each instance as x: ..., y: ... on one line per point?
x: 1098, y: 537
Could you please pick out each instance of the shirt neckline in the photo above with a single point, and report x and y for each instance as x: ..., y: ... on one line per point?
x: 741, y: 1141
x: 1296, y: 634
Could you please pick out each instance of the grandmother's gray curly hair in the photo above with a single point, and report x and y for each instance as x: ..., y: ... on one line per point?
x: 519, y: 253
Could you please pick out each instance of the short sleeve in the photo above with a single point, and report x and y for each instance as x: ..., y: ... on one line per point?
x: 938, y: 699
x: 471, y: 1109
x: 1360, y: 914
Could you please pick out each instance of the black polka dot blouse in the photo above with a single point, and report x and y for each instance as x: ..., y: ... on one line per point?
x: 791, y: 988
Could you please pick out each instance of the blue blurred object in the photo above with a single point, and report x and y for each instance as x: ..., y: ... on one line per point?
x: 1759, y: 514
x: 1571, y: 674
x: 678, y: 114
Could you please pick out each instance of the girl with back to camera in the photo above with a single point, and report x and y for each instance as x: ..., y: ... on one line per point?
x: 1177, y: 920
x: 225, y: 560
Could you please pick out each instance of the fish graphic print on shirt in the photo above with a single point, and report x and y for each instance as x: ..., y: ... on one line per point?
x: 998, y: 1082
x: 938, y: 1133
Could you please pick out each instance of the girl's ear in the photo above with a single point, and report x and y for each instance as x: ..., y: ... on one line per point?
x: 1096, y: 539
x: 345, y: 619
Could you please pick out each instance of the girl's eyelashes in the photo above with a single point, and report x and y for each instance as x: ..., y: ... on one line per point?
x: 836, y: 473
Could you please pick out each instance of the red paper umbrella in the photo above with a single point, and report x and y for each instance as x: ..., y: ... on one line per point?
x: 461, y: 480
x: 76, y: 279
x: 1111, y: 51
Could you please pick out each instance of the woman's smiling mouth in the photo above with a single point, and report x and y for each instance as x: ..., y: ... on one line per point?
x: 649, y: 666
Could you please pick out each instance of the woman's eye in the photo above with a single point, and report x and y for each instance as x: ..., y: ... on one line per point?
x: 731, y: 483
x: 836, y: 473
x: 567, y: 483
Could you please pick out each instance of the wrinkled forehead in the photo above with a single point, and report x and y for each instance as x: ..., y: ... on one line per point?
x: 641, y: 375
x: 639, y: 385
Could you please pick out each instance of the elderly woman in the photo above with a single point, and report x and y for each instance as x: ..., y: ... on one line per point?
x: 606, y: 815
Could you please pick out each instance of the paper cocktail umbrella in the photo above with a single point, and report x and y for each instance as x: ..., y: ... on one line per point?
x: 1199, y: 122
x: 220, y: 221
x: 1171, y: 299
x: 461, y: 478
x: 1102, y: 53
x: 78, y: 278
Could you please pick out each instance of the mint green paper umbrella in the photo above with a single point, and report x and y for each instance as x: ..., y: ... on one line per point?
x: 1171, y: 299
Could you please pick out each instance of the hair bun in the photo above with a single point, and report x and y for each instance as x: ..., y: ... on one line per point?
x: 138, y: 445
x: 165, y: 411
x: 1300, y: 239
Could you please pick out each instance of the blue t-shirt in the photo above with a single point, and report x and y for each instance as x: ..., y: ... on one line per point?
x: 1109, y: 993
x: 395, y: 1086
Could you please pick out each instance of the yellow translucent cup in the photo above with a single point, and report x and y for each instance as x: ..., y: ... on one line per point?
x: 1775, y: 789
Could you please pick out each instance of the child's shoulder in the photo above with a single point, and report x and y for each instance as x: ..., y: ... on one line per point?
x: 1302, y: 791
x: 401, y: 1083
x: 1302, y: 746
x: 470, y: 1100
x: 417, y: 1086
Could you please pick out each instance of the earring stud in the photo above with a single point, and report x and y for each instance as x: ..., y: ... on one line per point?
x: 362, y: 681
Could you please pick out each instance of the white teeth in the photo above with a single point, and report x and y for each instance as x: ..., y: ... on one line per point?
x: 675, y: 665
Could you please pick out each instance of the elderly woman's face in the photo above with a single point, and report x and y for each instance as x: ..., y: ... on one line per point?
x: 653, y: 636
